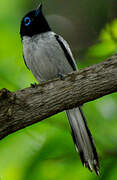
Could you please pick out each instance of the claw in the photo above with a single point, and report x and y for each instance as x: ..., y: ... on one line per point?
x: 33, y: 85
x: 61, y: 76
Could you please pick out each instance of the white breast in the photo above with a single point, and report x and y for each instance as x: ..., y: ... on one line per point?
x: 44, y: 56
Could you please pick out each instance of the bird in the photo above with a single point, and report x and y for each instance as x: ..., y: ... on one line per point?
x: 47, y: 55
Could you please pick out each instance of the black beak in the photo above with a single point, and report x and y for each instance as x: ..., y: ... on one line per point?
x: 39, y: 8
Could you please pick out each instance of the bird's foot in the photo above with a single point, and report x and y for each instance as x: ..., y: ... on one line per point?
x: 33, y: 85
x: 61, y: 76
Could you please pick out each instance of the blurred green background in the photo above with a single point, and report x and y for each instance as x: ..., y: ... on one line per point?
x: 45, y: 151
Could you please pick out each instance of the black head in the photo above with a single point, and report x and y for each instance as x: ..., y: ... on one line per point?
x: 34, y: 23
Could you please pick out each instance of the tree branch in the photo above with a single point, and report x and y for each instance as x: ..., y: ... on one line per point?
x: 28, y: 106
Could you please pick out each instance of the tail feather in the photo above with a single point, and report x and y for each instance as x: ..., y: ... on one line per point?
x: 83, y: 139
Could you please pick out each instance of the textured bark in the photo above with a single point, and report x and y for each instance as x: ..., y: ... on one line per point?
x: 28, y: 106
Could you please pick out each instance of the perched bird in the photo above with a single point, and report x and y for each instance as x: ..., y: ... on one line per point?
x: 48, y: 56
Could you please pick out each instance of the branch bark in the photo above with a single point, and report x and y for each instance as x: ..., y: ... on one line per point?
x: 28, y: 106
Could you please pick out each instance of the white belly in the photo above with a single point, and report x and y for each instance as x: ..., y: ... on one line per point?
x: 45, y: 58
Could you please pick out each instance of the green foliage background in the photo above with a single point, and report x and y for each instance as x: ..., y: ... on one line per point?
x: 45, y: 151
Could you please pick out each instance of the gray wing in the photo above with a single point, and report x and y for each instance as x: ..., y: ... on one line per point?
x: 48, y: 55
x: 66, y: 49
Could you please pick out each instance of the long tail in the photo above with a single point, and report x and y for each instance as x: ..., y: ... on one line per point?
x: 83, y: 139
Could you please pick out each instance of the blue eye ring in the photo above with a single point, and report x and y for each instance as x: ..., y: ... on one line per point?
x: 27, y: 21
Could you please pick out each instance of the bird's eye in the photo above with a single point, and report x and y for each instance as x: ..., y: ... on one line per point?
x: 27, y: 21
